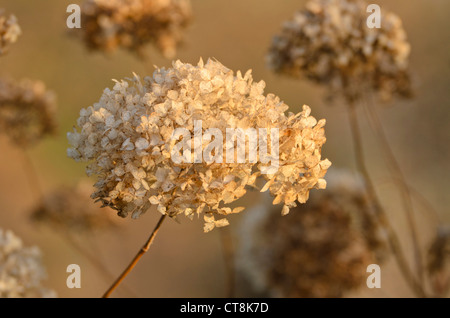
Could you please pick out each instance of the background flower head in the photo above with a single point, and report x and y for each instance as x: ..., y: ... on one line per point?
x: 321, y: 249
x: 131, y: 24
x: 21, y: 269
x: 9, y: 31
x: 330, y: 43
x: 27, y: 111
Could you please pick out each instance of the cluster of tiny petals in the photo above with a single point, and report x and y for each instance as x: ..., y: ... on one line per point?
x: 131, y: 24
x: 27, y: 111
x: 69, y: 208
x: 127, y: 137
x: 21, y: 269
x: 9, y: 31
x: 330, y: 43
x: 285, y: 256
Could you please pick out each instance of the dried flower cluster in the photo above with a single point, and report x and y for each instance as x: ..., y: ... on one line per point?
x: 131, y: 24
x: 127, y: 136
x: 9, y: 31
x: 70, y: 209
x: 439, y: 261
x: 21, y: 269
x: 27, y: 111
x: 330, y: 43
x: 322, y: 249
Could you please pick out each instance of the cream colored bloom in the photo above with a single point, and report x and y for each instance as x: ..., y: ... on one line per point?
x: 127, y: 138
x: 330, y: 43
x: 131, y: 24
x: 9, y: 31
x: 21, y: 269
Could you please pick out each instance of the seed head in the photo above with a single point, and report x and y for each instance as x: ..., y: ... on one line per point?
x: 322, y: 249
x: 27, y: 111
x: 21, y: 269
x: 330, y: 43
x: 131, y: 24
x: 70, y: 209
x: 9, y: 31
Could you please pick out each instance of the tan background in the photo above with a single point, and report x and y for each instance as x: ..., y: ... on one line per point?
x: 184, y: 262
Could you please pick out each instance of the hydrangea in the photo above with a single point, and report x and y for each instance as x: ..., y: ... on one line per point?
x: 128, y: 139
x: 330, y: 43
x: 321, y: 250
x: 9, y: 31
x: 131, y: 24
x: 69, y: 208
x: 27, y: 111
x: 21, y: 269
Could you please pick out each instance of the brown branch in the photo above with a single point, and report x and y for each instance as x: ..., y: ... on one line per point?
x: 136, y: 259
x: 228, y: 255
x: 32, y: 175
x: 381, y: 214
x: 401, y: 183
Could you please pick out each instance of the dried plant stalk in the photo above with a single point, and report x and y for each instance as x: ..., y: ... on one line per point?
x: 394, y: 243
x: 136, y: 259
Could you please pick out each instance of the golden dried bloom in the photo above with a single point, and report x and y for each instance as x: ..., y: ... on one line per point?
x: 128, y: 136
x: 439, y: 261
x: 27, y: 111
x: 131, y: 24
x: 71, y: 209
x: 330, y: 43
x: 21, y: 269
x: 9, y: 31
x: 322, y: 249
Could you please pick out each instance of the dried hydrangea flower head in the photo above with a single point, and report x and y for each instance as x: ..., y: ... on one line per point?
x: 128, y: 139
x: 9, y: 31
x: 439, y: 261
x: 131, y: 24
x: 330, y: 43
x: 27, y: 111
x: 21, y: 269
x: 69, y: 208
x: 322, y: 249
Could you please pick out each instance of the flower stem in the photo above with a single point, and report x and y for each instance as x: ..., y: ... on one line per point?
x: 381, y: 214
x: 136, y: 259
x: 32, y: 175
x: 228, y: 255
x: 400, y: 180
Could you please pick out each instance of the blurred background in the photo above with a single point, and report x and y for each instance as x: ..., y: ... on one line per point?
x: 185, y: 262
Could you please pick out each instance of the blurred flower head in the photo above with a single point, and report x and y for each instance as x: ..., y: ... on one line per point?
x: 21, y: 269
x: 71, y: 209
x: 439, y: 261
x: 128, y: 138
x: 330, y: 43
x: 321, y: 249
x: 27, y: 111
x: 9, y: 31
x: 131, y: 24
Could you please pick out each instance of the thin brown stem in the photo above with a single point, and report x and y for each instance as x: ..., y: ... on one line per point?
x: 393, y: 240
x: 228, y: 255
x: 136, y: 259
x: 401, y: 183
x: 32, y: 175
